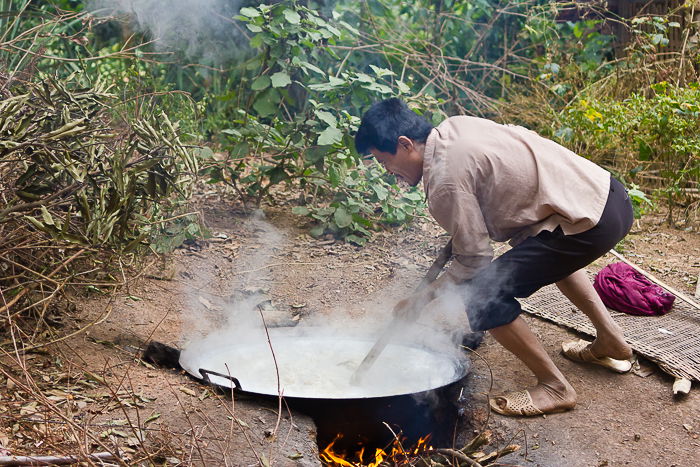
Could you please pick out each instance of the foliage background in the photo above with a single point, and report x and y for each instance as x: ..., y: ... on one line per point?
x: 261, y: 102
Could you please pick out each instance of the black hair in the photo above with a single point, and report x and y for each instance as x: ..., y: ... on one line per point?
x: 385, y: 121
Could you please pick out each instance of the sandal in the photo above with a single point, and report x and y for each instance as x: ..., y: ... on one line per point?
x: 580, y: 351
x: 518, y: 403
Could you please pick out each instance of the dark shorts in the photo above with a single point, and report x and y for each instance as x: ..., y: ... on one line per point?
x: 544, y: 259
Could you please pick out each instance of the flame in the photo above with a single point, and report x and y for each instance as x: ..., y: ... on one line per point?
x: 398, y: 455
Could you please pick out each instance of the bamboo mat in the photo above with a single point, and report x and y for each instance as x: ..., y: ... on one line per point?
x: 671, y: 340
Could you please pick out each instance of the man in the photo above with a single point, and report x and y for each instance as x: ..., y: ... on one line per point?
x: 487, y: 181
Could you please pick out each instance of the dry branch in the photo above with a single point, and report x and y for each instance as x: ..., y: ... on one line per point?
x: 55, y: 460
x: 78, y: 189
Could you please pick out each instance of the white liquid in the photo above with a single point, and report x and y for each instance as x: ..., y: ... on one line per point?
x: 322, y: 368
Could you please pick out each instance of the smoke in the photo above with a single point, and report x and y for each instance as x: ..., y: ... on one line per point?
x: 201, y: 30
x: 320, y: 354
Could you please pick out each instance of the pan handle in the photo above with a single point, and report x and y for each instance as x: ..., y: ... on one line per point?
x: 205, y: 376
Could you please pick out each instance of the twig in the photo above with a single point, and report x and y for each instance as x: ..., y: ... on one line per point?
x: 55, y: 460
x: 459, y: 455
x: 479, y: 440
x: 277, y: 373
x: 500, y: 453
x: 75, y: 333
x: 41, y: 202
x: 272, y: 265
x: 58, y: 268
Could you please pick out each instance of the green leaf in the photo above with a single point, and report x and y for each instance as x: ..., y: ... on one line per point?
x: 254, y: 27
x: 317, y: 231
x: 381, y: 71
x: 266, y: 103
x: 281, y: 79
x: 309, y: 66
x: 260, y: 83
x: 204, y: 152
x: 381, y: 192
x: 645, y: 151
x: 334, y: 175
x: 330, y: 135
x: 355, y: 239
x: 46, y: 216
x: 257, y: 41
x: 342, y: 218
x: 315, y: 154
x: 249, y: 12
x: 292, y: 16
x: 326, y: 117
x: 300, y: 210
x: 277, y: 175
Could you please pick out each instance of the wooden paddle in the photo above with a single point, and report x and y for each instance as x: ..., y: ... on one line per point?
x: 397, y: 321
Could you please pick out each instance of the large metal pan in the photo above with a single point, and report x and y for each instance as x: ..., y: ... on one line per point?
x: 308, y: 364
x: 413, y: 389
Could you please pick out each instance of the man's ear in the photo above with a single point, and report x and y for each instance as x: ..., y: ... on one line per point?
x: 405, y: 142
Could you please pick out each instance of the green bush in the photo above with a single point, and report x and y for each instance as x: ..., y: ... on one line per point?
x: 650, y: 138
x: 292, y: 123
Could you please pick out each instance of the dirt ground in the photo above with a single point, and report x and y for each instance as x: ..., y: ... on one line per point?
x: 167, y: 417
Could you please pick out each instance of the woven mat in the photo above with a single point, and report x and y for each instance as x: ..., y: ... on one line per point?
x: 672, y: 340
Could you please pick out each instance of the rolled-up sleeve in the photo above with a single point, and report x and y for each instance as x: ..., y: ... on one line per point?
x: 458, y: 212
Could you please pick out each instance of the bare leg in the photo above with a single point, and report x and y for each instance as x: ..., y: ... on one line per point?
x: 609, y: 341
x: 553, y: 391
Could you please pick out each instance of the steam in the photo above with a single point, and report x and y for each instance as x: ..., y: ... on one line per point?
x: 239, y: 326
x: 201, y: 30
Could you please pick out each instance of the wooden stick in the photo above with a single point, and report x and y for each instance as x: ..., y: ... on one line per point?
x: 385, y: 337
x: 492, y: 456
x: 459, y: 455
x: 54, y: 460
x: 675, y: 292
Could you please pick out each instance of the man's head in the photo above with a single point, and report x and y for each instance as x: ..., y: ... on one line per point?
x: 395, y: 136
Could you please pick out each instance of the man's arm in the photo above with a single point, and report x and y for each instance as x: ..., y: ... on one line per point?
x: 459, y: 213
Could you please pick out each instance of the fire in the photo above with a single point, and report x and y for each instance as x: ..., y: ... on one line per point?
x: 397, y: 454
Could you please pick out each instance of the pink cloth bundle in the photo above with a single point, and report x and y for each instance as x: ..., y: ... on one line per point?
x: 624, y: 289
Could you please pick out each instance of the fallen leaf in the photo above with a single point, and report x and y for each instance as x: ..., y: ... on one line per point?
x: 113, y: 432
x: 188, y: 391
x: 28, y: 409
x: 154, y: 416
x: 205, y: 302
x: 242, y: 423
x: 94, y: 377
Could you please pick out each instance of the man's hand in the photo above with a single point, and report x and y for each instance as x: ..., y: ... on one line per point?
x: 403, y: 308
x: 410, y: 307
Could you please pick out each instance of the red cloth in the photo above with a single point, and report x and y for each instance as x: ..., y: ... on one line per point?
x: 624, y: 289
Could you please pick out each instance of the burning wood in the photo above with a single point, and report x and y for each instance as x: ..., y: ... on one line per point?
x: 396, y: 456
x: 422, y: 454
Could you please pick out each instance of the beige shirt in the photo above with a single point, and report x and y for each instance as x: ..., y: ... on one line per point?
x: 485, y: 180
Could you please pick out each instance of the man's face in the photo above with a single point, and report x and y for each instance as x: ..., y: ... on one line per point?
x: 406, y: 164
